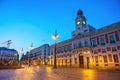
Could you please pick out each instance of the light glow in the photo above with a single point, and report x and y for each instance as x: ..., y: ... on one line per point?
x: 83, y: 22
x: 78, y: 22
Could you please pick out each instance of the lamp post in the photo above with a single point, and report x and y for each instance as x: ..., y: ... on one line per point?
x: 55, y: 36
x: 30, y: 47
x: 22, y: 52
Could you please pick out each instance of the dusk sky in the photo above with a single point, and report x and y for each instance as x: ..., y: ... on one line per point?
x: 34, y: 21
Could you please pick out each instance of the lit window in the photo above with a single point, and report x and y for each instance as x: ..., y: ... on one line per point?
x: 105, y: 58
x: 96, y: 59
x: 75, y: 60
x: 115, y: 57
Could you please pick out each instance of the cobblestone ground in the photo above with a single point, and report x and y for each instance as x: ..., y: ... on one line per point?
x: 48, y: 73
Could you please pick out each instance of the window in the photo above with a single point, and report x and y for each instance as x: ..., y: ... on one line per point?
x: 119, y: 35
x: 86, y: 42
x: 74, y: 45
x: 59, y: 50
x: 75, y: 60
x: 96, y: 59
x: 111, y: 39
x: 62, y: 49
x: 94, y: 43
x: 115, y: 57
x: 95, y: 52
x: 85, y: 30
x: 52, y: 51
x: 102, y: 40
x: 65, y: 48
x: 70, y: 47
x: 114, y: 49
x: 105, y: 59
x: 79, y: 44
x: 103, y: 50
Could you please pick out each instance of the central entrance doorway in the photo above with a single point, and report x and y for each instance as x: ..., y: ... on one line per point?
x: 81, y: 61
x: 88, y: 62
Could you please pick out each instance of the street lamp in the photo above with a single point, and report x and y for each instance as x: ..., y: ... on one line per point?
x: 55, y: 37
x: 30, y: 47
x: 22, y: 52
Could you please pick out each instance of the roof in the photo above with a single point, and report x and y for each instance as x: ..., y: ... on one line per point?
x: 108, y: 27
x: 6, y: 49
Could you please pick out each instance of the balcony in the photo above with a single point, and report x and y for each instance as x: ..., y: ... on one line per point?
x: 102, y: 44
x: 104, y: 52
x: 94, y: 45
x: 112, y: 42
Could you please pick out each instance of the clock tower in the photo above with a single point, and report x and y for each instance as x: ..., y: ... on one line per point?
x: 81, y: 26
x: 80, y: 21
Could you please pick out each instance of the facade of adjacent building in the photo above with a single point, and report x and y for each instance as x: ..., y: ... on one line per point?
x: 89, y: 47
x: 8, y: 54
x: 38, y: 56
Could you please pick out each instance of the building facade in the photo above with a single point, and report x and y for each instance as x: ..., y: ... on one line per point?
x: 37, y: 56
x: 8, y: 55
x: 89, y: 47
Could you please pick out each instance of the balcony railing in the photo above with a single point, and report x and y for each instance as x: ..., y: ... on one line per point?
x: 94, y: 45
x: 102, y: 44
x: 112, y: 42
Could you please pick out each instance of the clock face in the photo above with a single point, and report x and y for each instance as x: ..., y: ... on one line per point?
x: 78, y: 22
x: 84, y: 22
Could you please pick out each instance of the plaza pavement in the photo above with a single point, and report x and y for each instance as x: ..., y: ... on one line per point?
x: 48, y: 73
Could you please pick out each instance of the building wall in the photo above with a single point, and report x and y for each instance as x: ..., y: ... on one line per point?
x: 40, y: 53
x: 8, y: 54
x: 95, y: 49
x: 107, y: 53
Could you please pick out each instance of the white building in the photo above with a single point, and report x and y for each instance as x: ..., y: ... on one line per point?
x: 40, y: 53
x: 89, y: 47
x: 8, y: 54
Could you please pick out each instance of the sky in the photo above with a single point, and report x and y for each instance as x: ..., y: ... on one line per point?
x: 34, y: 21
